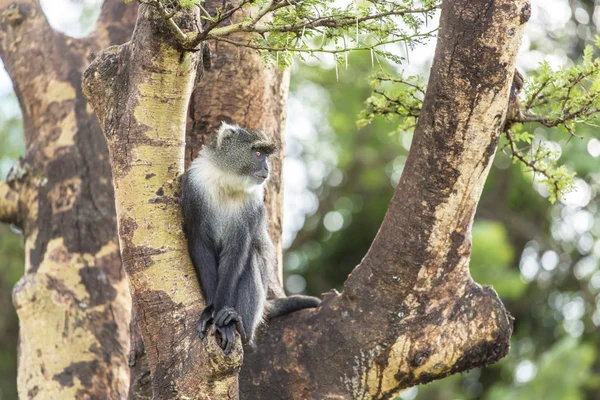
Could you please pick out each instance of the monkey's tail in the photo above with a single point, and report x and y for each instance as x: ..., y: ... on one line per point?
x: 285, y: 305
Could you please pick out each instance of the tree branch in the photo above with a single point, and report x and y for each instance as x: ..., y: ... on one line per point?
x: 253, y: 46
x: 410, y: 312
x: 30, y: 49
x: 329, y: 22
x: 9, y: 204
x: 190, y: 40
x: 115, y: 23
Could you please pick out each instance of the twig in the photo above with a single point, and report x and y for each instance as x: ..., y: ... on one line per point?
x: 299, y: 50
x: 330, y: 22
x: 518, y: 155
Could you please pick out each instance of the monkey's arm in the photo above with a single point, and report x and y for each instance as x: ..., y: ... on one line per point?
x: 205, y: 263
x: 197, y: 231
x: 200, y: 247
x: 233, y: 259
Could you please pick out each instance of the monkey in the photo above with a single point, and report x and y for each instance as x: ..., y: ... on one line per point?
x: 225, y: 223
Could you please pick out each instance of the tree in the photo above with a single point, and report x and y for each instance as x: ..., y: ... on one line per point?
x: 85, y: 196
x: 415, y: 314
x: 365, y: 361
x: 61, y: 197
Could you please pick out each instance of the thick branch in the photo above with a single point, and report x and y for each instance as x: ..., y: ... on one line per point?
x: 29, y: 48
x: 9, y: 204
x: 116, y: 23
x: 73, y: 285
x: 410, y: 312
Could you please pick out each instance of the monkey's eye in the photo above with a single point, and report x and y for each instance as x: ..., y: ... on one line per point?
x: 259, y: 154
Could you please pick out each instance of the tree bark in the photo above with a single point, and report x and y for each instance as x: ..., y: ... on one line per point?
x: 140, y: 92
x: 410, y: 312
x: 73, y: 302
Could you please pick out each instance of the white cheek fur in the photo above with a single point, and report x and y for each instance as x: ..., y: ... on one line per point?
x: 227, y: 190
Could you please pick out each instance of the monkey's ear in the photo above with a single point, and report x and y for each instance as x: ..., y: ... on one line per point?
x: 224, y: 131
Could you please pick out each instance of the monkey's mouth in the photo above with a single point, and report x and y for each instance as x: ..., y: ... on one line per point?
x: 262, y: 175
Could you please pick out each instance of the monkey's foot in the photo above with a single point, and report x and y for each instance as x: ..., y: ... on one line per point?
x: 226, y: 337
x: 205, y: 319
x: 227, y: 316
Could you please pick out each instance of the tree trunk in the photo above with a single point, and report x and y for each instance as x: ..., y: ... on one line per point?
x: 73, y: 302
x: 140, y: 92
x: 410, y: 312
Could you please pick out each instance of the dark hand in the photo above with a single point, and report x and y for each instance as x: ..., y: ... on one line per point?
x: 225, y: 336
x: 205, y: 319
x: 227, y: 316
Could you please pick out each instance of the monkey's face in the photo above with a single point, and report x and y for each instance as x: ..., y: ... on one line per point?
x: 245, y: 152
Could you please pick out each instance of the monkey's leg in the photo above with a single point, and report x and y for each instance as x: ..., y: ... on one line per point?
x: 251, y: 300
x: 233, y: 261
x: 205, y: 264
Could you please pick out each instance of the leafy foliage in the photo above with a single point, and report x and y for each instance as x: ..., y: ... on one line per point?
x: 282, y: 29
x: 397, y: 99
x: 564, y: 99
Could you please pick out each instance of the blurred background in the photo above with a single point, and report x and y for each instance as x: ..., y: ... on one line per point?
x: 542, y: 259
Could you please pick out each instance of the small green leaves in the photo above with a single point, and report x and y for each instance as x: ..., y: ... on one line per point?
x: 282, y: 29
x: 541, y: 159
x: 188, y: 3
x: 562, y: 99
x: 394, y: 98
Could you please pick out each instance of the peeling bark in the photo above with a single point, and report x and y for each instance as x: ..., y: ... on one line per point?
x: 140, y: 92
x: 410, y: 312
x: 73, y: 287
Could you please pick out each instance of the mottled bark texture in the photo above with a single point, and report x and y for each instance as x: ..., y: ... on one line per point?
x: 240, y: 89
x: 410, y: 312
x: 140, y: 92
x: 73, y: 302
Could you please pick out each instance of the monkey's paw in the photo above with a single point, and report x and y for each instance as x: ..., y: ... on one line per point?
x: 225, y: 336
x: 205, y: 319
x: 228, y: 316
